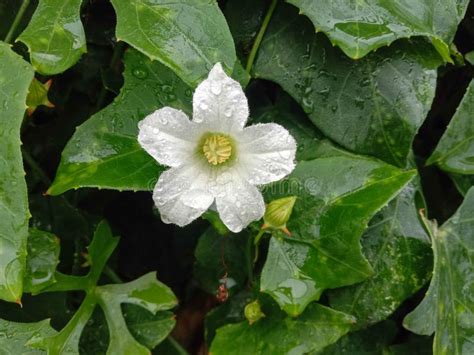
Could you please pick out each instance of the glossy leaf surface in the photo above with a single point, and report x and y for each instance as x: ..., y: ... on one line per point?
x: 455, y: 150
x: 55, y: 36
x: 399, y: 250
x: 276, y: 334
x: 15, y: 79
x: 41, y: 261
x: 104, y: 151
x: 337, y: 195
x: 373, y: 106
x: 448, y: 306
x: 14, y: 337
x: 188, y: 36
x: 359, y: 27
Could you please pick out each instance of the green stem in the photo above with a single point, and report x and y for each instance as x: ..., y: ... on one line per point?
x: 258, y: 39
x: 110, y: 273
x: 249, y: 260
x: 116, y: 56
x: 16, y: 21
x: 36, y: 168
x: 256, y: 242
x: 177, y: 346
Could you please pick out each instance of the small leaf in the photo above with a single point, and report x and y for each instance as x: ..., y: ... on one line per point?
x: 188, y: 36
x: 41, y: 261
x: 104, y: 151
x: 55, y: 36
x: 15, y: 78
x: 455, y: 150
x: 399, y: 250
x: 38, y: 95
x: 360, y: 27
x: 448, y: 306
x: 15, y: 337
x: 373, y: 106
x: 276, y: 334
x: 337, y: 197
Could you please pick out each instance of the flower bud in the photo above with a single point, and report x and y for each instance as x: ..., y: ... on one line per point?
x: 278, y: 213
x: 253, y: 312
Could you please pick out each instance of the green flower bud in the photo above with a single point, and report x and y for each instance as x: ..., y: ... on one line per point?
x: 278, y: 213
x: 253, y: 312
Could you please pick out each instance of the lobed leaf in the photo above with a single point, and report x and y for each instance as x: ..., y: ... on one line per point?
x: 15, y: 78
x: 337, y: 195
x: 448, y: 306
x: 104, y: 151
x: 55, y: 36
x: 359, y: 27
x: 373, y: 106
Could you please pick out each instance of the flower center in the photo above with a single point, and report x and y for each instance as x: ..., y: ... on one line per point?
x: 217, y: 148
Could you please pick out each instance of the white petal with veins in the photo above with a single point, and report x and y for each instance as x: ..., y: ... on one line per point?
x: 220, y: 103
x: 168, y: 136
x: 266, y: 152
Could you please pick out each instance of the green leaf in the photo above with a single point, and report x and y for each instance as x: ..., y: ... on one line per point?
x: 399, y: 250
x: 455, y: 150
x: 41, y: 262
x: 188, y: 36
x: 218, y: 255
x: 371, y: 341
x: 359, y: 27
x: 55, y: 36
x: 104, y: 151
x: 149, y: 329
x: 15, y: 79
x: 462, y: 182
x: 448, y: 306
x: 15, y: 337
x: 146, y: 292
x: 337, y: 195
x: 276, y: 334
x: 372, y: 106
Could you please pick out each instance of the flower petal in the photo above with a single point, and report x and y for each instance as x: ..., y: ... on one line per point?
x: 266, y: 152
x: 220, y: 103
x: 181, y: 194
x: 238, y: 202
x: 168, y: 136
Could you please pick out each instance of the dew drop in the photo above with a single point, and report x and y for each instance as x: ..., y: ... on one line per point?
x: 140, y: 73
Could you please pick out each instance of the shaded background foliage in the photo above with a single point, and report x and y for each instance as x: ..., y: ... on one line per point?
x: 146, y: 243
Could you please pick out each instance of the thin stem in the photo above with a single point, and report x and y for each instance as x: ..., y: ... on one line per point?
x: 116, y: 56
x: 249, y: 260
x: 16, y: 21
x: 256, y: 242
x: 258, y: 39
x: 179, y: 349
x: 36, y: 168
x: 110, y: 273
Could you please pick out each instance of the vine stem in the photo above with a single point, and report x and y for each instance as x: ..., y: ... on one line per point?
x: 16, y: 21
x: 258, y: 39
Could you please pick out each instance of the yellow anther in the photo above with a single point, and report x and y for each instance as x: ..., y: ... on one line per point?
x: 217, y: 149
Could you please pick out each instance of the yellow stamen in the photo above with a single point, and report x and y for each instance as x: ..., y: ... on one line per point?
x: 217, y: 149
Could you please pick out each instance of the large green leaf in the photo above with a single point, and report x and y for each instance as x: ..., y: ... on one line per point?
x: 337, y: 195
x: 372, y: 106
x: 55, y: 36
x: 359, y: 27
x: 14, y: 337
x: 104, y: 151
x: 455, y: 150
x: 448, y: 306
x: 42, y: 259
x: 188, y: 36
x: 15, y: 79
x: 277, y: 334
x: 399, y: 250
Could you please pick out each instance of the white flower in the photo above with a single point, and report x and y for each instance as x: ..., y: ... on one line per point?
x: 213, y: 158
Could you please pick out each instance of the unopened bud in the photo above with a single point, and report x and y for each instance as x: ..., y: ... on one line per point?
x: 278, y: 213
x: 253, y: 312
